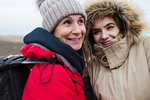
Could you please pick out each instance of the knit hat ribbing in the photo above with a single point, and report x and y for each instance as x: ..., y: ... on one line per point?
x: 53, y: 11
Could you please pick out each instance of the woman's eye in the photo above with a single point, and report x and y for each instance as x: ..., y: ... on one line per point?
x: 67, y: 22
x: 110, y: 27
x: 95, y: 32
x: 81, y: 21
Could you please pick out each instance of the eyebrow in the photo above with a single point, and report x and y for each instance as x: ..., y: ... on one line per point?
x: 109, y: 24
x: 104, y: 26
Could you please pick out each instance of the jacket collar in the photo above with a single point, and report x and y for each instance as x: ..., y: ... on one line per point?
x: 114, y: 55
x: 48, y: 40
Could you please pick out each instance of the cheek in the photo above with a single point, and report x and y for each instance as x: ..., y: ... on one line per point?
x: 84, y: 30
x: 60, y: 33
x: 96, y: 38
x: 56, y: 32
x: 57, y: 35
x: 116, y: 33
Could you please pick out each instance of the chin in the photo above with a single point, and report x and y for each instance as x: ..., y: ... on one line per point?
x: 77, y: 48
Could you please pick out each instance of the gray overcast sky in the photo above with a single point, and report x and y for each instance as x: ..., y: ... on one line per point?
x: 19, y: 17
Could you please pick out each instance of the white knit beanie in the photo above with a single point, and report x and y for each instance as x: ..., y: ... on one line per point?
x: 53, y: 11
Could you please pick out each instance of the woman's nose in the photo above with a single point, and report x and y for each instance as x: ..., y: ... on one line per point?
x: 104, y: 35
x: 76, y: 29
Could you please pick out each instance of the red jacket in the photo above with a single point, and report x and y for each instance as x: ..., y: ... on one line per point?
x: 63, y: 84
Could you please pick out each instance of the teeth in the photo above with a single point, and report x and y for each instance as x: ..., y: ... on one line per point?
x: 73, y: 39
x: 106, y: 43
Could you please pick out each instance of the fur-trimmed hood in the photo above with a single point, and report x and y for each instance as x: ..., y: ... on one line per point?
x: 129, y: 15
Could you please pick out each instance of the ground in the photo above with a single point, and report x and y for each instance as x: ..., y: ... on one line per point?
x: 10, y: 45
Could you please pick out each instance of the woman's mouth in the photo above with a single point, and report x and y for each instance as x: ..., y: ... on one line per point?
x: 74, y: 40
x: 106, y: 44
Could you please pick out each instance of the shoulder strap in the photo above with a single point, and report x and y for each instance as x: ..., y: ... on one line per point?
x: 13, y: 60
x: 34, y: 61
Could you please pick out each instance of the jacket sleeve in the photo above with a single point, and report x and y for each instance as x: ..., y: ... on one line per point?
x: 147, y: 50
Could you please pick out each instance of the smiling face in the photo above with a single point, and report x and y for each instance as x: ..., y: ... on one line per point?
x: 104, y: 31
x: 71, y: 30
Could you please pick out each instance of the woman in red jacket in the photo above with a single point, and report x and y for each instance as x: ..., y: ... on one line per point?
x: 59, y: 42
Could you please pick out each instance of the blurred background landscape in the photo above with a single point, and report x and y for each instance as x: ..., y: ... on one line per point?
x: 19, y: 17
x: 10, y: 45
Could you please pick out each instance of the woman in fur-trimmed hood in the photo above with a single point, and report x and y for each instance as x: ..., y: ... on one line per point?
x: 118, y: 57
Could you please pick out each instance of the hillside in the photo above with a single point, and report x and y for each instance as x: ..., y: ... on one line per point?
x: 10, y: 45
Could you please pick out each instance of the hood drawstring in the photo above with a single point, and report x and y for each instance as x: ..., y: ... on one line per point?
x: 52, y: 60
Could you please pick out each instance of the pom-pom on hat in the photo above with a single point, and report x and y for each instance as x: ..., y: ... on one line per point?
x: 53, y: 11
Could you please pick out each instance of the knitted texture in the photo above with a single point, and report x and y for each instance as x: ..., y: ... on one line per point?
x: 53, y: 11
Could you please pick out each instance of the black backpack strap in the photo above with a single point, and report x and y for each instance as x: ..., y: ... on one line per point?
x: 11, y: 61
x: 34, y: 61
